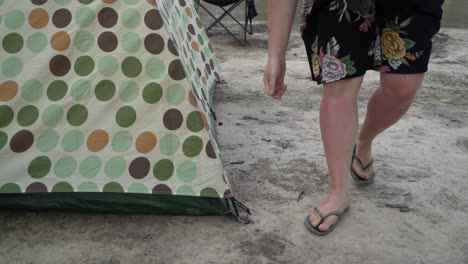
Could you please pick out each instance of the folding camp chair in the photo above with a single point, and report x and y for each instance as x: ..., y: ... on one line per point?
x: 228, y: 7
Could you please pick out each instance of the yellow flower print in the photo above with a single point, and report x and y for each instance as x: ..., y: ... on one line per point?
x: 315, y: 64
x: 392, y: 45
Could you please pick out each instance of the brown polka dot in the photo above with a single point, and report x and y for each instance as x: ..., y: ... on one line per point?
x: 38, y: 2
x: 181, y: 34
x: 198, y: 72
x: 192, y: 99
x: 182, y: 2
x: 188, y: 11
x: 8, y: 90
x: 107, y: 41
x: 154, y: 43
x: 97, y: 140
x: 151, y: 2
x: 210, y: 151
x: 38, y: 18
x: 208, y: 69
x: 203, y: 79
x: 109, y: 1
x: 59, y: 65
x: 171, y: 47
x: 176, y: 71
x: 61, y: 18
x: 36, y: 187
x: 191, y: 29
x: 162, y: 189
x: 195, y: 46
x: 205, y: 121
x: 212, y: 64
x: 139, y: 168
x: 173, y: 119
x: 145, y: 142
x: 203, y: 56
x: 60, y: 41
x: 21, y: 141
x: 153, y: 19
x: 108, y: 17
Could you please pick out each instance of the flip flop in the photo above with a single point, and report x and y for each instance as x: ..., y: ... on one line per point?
x: 315, y: 230
x: 355, y: 176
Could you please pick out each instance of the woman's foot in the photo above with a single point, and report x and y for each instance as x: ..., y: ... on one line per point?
x: 362, y: 163
x: 332, y: 203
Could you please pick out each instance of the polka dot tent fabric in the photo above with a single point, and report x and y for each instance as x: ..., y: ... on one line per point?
x: 107, y: 96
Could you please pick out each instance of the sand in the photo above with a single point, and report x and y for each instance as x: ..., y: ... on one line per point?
x: 416, y: 212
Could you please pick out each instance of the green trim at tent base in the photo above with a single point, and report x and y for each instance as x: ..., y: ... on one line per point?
x: 130, y: 203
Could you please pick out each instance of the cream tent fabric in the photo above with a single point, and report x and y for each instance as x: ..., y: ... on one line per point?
x: 107, y: 96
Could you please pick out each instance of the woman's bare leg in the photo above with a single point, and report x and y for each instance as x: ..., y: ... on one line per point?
x: 386, y: 106
x: 338, y: 126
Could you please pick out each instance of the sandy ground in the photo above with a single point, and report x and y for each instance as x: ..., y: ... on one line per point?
x: 416, y: 212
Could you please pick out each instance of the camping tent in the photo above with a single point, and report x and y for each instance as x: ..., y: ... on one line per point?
x: 106, y: 106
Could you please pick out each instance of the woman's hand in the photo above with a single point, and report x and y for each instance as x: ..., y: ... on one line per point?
x: 273, y: 78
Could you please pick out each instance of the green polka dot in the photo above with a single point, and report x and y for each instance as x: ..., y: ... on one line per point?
x: 185, y: 190
x: 105, y: 90
x: 77, y: 115
x: 137, y: 187
x: 81, y: 90
x: 121, y: 141
x: 201, y: 40
x: 72, y: 140
x: 32, y: 90
x: 113, y: 187
x: 84, y: 65
x: 192, y: 146
x: 84, y: 16
x: 129, y: 91
x: 131, y: 67
x: 39, y: 167
x: 51, y: 115
x: 47, y: 141
x: 125, y: 116
x: 115, y: 167
x: 131, y: 18
x: 62, y: 187
x: 57, y: 90
x: 131, y: 2
x: 3, y: 139
x: 169, y: 144
x: 90, y: 167
x: 11, y: 67
x: 63, y: 2
x: 209, y: 192
x: 27, y: 115
x: 187, y: 171
x: 175, y: 94
x: 163, y: 170
x: 36, y: 42
x: 152, y: 93
x: 108, y: 65
x: 88, y: 187
x: 10, y: 188
x: 85, y: 2
x: 14, y: 19
x: 65, y: 167
x: 155, y: 68
x: 13, y: 43
x: 6, y: 115
x: 195, y: 121
x: 83, y: 41
x: 131, y: 42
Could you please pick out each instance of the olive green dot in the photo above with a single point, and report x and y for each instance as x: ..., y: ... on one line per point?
x: 85, y: 2
x: 36, y: 42
x: 131, y: 18
x: 12, y: 66
x: 10, y: 188
x: 175, y: 94
x: 88, y: 187
x: 13, y: 43
x: 65, y: 167
x: 52, y: 115
x: 125, y: 116
x: 62, y: 187
x: 169, y: 144
x: 27, y: 115
x: 84, y: 16
x: 105, y: 90
x: 152, y: 93
x: 192, y: 146
x: 108, y: 65
x: 163, y: 170
x: 6, y: 115
x: 47, y: 141
x: 83, y: 41
x: 113, y: 187
x: 39, y: 167
x: 77, y: 115
x: 90, y: 167
x: 121, y: 141
x: 131, y: 67
x: 195, y: 121
x: 32, y: 90
x: 3, y: 139
x: 57, y: 90
x: 129, y: 91
x: 72, y: 140
x: 115, y: 167
x: 84, y: 65
x: 14, y: 19
x: 209, y: 192
x: 131, y: 42
x: 81, y: 90
x: 187, y: 171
